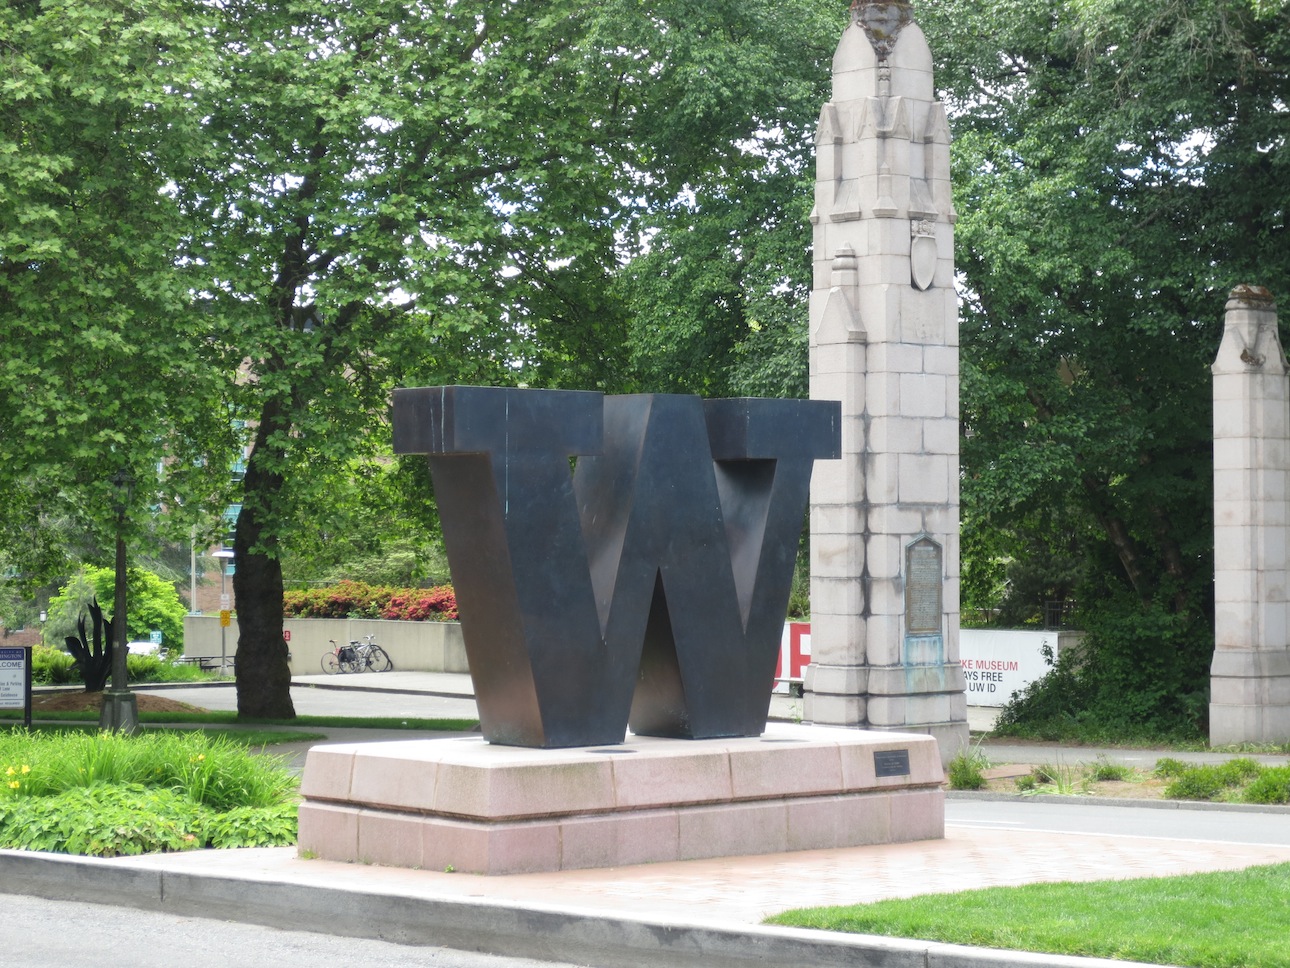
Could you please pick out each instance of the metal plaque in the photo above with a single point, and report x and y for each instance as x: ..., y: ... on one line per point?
x: 924, y: 587
x: 891, y: 763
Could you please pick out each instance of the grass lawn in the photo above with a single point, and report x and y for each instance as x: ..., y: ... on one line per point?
x: 230, y: 718
x: 1215, y: 920
x: 243, y: 737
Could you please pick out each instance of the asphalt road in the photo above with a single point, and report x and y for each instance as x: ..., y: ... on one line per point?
x: 1081, y: 816
x: 68, y: 934
x: 311, y: 701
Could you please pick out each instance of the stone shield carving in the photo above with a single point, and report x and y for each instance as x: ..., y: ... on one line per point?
x: 922, y: 261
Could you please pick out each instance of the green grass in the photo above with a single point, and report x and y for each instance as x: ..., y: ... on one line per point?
x: 1216, y: 920
x: 243, y: 737
x: 230, y: 718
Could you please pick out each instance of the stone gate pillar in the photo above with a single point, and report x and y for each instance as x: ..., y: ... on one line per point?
x: 1250, y: 674
x: 884, y: 341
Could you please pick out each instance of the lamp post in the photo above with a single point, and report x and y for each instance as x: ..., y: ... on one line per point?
x: 120, y: 706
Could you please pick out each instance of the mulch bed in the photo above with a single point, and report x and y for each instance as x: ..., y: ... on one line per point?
x: 66, y: 702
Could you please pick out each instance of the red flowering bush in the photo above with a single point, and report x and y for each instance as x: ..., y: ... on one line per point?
x: 421, y: 605
x: 356, y: 599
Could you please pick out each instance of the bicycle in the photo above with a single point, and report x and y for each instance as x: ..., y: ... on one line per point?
x: 356, y: 657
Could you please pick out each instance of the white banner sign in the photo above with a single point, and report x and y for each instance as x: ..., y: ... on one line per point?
x: 997, y: 664
x: 13, y: 671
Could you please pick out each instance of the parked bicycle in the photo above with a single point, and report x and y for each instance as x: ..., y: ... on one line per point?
x: 365, y: 656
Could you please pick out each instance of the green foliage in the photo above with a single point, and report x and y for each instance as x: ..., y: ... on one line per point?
x: 1139, y: 674
x: 799, y: 596
x: 1116, y: 164
x: 964, y: 771
x: 151, y: 604
x: 52, y: 667
x: 101, y: 367
x: 351, y: 599
x: 101, y: 821
x: 1103, y: 770
x: 253, y: 827
x: 107, y: 794
x: 1063, y: 779
x: 1170, y: 768
x: 156, y: 668
x: 1212, y: 782
x: 1272, y: 785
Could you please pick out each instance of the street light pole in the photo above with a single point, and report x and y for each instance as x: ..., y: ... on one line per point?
x: 120, y: 706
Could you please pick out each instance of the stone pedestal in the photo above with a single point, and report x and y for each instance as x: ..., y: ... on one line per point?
x: 120, y: 712
x: 471, y: 806
x: 884, y: 342
x: 1250, y: 674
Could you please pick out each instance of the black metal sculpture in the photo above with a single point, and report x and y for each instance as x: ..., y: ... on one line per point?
x: 94, y: 659
x: 650, y: 585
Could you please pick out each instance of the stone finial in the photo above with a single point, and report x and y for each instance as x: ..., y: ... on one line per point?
x: 882, y: 22
x: 1253, y: 297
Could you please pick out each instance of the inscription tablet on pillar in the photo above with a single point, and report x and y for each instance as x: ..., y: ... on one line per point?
x: 891, y: 763
x: 923, y: 587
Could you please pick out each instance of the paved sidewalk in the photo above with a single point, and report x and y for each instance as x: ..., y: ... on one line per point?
x: 694, y: 913
x: 703, y: 913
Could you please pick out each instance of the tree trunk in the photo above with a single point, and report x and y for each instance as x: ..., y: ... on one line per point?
x: 262, y: 671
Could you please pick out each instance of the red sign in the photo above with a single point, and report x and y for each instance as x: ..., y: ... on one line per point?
x: 286, y: 635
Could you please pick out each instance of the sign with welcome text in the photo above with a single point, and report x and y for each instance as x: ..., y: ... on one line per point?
x: 15, y: 681
x: 13, y: 678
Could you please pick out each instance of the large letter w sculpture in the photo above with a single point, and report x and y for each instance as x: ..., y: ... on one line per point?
x: 648, y: 586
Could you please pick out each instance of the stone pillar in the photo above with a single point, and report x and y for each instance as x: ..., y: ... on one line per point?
x: 1250, y: 674
x: 884, y: 341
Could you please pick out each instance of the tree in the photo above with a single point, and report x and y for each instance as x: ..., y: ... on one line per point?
x: 1119, y: 167
x: 102, y: 368
x: 153, y: 605
x: 372, y: 182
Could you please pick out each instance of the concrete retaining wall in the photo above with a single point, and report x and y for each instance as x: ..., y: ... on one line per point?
x: 412, y: 646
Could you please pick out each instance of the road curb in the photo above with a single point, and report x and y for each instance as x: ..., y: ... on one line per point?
x: 484, y: 926
x: 1118, y: 802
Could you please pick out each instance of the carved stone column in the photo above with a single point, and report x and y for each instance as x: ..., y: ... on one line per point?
x: 884, y: 341
x: 1250, y: 674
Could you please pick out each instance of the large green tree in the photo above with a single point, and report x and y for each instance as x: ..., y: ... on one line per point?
x: 375, y: 182
x: 102, y: 369
x: 1120, y: 165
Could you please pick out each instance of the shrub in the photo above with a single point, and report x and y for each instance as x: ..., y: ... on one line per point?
x: 1167, y: 767
x: 1104, y: 770
x: 433, y: 604
x: 345, y: 599
x: 52, y: 667
x: 107, y: 794
x: 1141, y: 673
x: 152, y: 604
x: 351, y: 599
x: 102, y: 821
x: 965, y: 770
x: 1238, y: 771
x: 1211, y: 782
x: 1271, y: 786
x: 154, y: 668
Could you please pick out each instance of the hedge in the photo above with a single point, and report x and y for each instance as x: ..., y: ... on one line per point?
x: 356, y: 599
